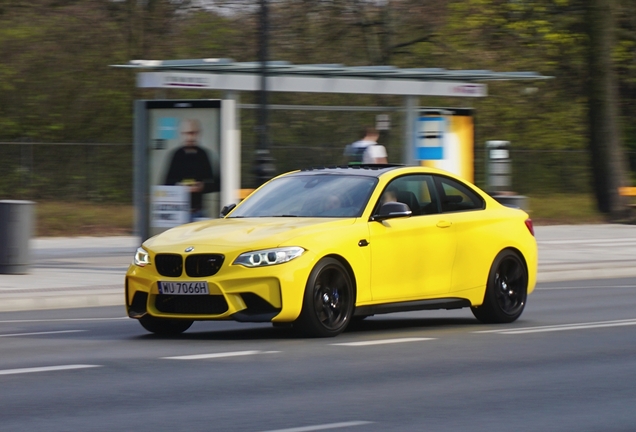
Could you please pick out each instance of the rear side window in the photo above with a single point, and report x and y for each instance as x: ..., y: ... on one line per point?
x: 455, y: 196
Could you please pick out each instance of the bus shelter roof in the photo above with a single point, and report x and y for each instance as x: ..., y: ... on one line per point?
x: 282, y: 68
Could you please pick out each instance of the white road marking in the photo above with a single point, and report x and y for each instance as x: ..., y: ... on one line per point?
x: 46, y: 369
x: 563, y: 327
x: 323, y: 427
x: 383, y: 341
x: 61, y: 320
x: 607, y: 241
x: 41, y: 333
x: 219, y: 355
x: 585, y: 287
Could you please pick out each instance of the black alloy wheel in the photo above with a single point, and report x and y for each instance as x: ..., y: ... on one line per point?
x: 164, y: 326
x: 328, y: 301
x: 506, y: 291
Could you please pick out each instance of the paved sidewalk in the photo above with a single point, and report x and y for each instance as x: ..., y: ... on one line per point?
x: 89, y: 271
x: 575, y: 252
x: 69, y: 272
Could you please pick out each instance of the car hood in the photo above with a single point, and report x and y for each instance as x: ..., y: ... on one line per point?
x: 249, y: 233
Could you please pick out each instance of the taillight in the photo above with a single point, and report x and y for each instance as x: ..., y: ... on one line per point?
x: 530, y: 226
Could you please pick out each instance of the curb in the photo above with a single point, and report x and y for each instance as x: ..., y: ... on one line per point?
x: 114, y: 295
x: 61, y: 302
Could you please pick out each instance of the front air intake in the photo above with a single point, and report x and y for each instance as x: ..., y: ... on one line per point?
x: 137, y: 307
x: 191, y: 304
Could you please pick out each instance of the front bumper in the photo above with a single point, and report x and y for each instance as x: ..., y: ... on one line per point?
x: 264, y: 294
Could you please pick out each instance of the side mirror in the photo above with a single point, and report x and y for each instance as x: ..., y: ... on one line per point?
x: 228, y: 208
x: 392, y: 210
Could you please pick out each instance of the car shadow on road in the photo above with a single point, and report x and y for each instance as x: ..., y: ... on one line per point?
x: 268, y: 332
x: 369, y: 325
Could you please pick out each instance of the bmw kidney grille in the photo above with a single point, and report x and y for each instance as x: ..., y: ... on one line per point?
x: 170, y: 265
x: 202, y: 265
x: 199, y: 265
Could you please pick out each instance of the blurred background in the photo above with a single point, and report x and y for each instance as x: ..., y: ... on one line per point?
x: 66, y: 114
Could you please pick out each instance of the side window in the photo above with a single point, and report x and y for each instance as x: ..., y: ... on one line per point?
x: 455, y: 196
x: 416, y: 191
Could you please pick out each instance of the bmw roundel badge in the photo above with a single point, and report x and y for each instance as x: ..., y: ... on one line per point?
x: 189, y: 249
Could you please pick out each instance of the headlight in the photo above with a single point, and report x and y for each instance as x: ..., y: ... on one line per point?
x: 142, y: 258
x: 269, y: 256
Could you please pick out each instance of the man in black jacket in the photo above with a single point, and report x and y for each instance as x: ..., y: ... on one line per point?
x: 190, y: 166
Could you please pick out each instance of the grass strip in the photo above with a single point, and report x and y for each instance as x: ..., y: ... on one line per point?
x: 68, y: 219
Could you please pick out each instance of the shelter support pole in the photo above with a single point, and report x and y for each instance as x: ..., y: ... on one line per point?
x: 230, y: 149
x: 140, y: 165
x: 411, y: 104
x: 264, y: 163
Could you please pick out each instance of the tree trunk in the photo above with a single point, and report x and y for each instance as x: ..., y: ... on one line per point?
x: 608, y: 164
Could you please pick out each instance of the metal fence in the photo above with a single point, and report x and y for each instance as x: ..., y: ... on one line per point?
x: 66, y: 171
x: 543, y: 171
x: 104, y: 172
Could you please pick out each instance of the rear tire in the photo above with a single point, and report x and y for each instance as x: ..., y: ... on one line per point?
x: 506, y: 290
x: 164, y: 326
x: 328, y: 300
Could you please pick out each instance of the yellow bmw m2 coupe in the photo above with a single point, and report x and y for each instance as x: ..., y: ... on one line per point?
x: 318, y: 248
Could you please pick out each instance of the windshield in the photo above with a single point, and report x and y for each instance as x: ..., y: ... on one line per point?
x: 309, y: 196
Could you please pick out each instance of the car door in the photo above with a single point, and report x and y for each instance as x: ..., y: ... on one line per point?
x: 412, y: 257
x: 464, y: 208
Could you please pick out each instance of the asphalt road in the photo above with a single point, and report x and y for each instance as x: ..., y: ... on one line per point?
x: 569, y: 364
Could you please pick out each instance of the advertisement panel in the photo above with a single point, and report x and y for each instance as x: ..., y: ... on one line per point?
x: 169, y: 206
x: 183, y: 154
x: 445, y: 139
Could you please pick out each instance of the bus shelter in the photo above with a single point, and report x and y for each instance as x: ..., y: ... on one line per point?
x: 427, y: 136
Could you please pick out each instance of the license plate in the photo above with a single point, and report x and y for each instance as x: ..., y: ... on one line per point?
x: 183, y: 288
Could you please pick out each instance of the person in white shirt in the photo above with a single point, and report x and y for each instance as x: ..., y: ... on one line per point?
x: 372, y: 152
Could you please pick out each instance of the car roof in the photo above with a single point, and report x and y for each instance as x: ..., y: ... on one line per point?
x: 366, y: 170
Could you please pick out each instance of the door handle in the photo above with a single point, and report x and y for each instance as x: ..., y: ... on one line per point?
x: 443, y: 224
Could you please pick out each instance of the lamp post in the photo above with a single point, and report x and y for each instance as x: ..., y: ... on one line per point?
x: 264, y: 163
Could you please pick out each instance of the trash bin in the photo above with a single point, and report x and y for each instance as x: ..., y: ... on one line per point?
x: 17, y: 220
x: 499, y: 175
x: 499, y: 166
x: 519, y: 201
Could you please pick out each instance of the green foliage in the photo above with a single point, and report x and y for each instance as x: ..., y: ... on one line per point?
x: 56, y: 83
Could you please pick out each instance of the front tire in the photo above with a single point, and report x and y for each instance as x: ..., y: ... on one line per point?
x: 164, y: 326
x: 328, y: 300
x: 506, y: 290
